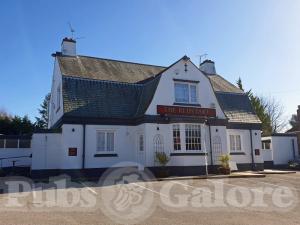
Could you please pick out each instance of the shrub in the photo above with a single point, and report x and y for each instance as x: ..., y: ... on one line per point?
x: 294, y: 164
x: 162, y: 158
x: 224, y: 159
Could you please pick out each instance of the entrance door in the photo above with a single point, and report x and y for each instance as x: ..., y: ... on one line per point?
x: 141, y: 156
x: 216, y: 149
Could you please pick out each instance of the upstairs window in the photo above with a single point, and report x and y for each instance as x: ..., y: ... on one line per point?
x: 235, y: 143
x: 186, y: 93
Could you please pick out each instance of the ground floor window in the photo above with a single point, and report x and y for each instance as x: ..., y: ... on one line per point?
x: 176, y: 137
x: 141, y: 142
x: 186, y: 137
x: 105, y: 141
x: 235, y: 143
x: 193, y: 137
x: 266, y: 144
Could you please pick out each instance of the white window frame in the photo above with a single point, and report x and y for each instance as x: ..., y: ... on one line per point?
x: 193, y: 137
x: 189, y: 84
x: 105, y: 141
x: 182, y: 127
x: 233, y: 142
x: 264, y: 142
x: 176, y: 128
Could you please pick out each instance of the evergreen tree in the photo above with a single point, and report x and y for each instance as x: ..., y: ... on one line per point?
x: 295, y: 122
x: 16, y: 125
x: 239, y: 84
x: 42, y: 121
x: 260, y: 108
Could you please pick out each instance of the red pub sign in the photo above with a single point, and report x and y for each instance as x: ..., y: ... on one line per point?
x: 186, y: 111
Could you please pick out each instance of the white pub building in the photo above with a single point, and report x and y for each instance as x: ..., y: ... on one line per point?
x: 104, y: 112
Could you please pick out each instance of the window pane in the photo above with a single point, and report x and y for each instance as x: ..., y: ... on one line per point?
x: 181, y: 92
x: 193, y: 137
x: 101, y: 141
x: 11, y: 143
x: 141, y: 143
x: 24, y: 143
x: 1, y: 143
x: 110, y: 142
x: 232, y: 143
x: 238, y: 143
x: 193, y: 92
x: 176, y: 137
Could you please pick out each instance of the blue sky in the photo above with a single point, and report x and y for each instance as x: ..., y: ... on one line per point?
x: 258, y: 40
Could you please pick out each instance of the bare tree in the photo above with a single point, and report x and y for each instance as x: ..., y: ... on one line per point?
x: 275, y: 111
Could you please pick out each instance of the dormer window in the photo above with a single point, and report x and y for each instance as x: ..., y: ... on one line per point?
x: 186, y: 93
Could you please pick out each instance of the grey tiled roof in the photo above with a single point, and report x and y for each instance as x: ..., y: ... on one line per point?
x: 105, y: 99
x: 96, y: 87
x: 106, y: 69
x: 237, y: 107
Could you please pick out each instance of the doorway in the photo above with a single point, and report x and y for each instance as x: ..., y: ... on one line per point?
x: 216, y: 150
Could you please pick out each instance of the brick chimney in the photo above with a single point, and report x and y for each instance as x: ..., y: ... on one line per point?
x: 298, y: 113
x: 68, y: 47
x: 208, y: 67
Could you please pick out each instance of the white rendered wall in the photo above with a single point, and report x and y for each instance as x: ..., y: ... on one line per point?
x: 55, y: 111
x: 72, y: 137
x: 46, y: 151
x: 283, y: 149
x: 166, y: 131
x: 165, y: 93
x: 124, y: 146
x: 246, y: 145
x: 219, y: 131
x: 256, y: 141
x: 267, y: 154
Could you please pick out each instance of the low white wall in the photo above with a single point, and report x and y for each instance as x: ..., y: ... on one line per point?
x: 46, y: 151
x: 15, y: 152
